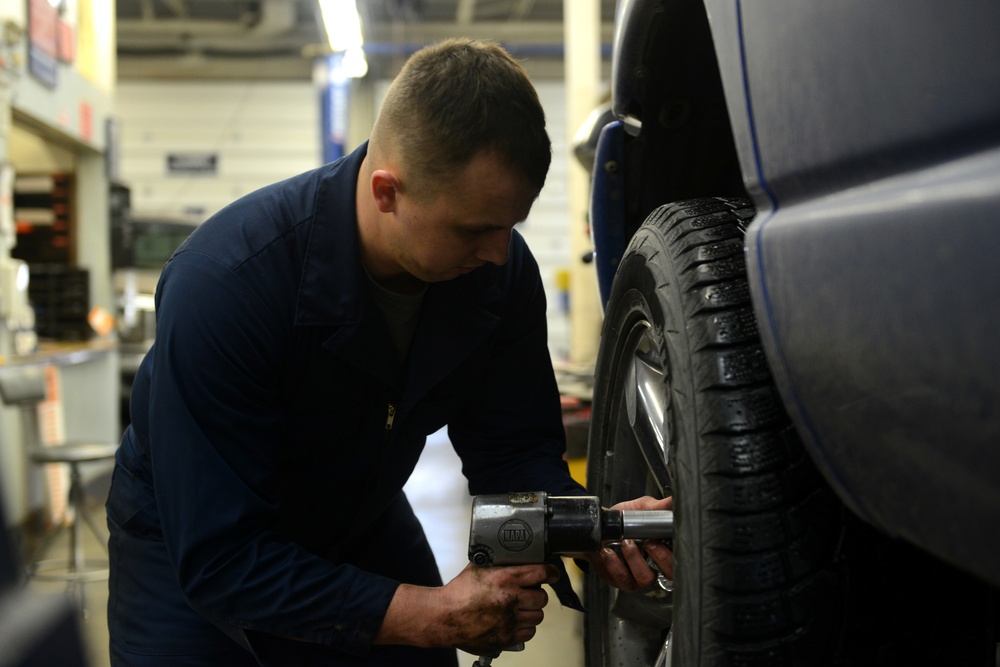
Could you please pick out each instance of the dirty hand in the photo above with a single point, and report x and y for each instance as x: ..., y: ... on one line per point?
x: 481, y: 611
x: 497, y: 607
x: 630, y: 572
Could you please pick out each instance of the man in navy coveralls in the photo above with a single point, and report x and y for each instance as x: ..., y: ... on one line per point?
x: 309, y: 336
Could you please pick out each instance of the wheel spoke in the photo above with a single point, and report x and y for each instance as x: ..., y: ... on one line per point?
x: 650, y: 608
x: 652, y: 402
x: 646, y: 402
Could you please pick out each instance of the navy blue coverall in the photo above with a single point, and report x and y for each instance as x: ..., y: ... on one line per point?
x: 257, y: 499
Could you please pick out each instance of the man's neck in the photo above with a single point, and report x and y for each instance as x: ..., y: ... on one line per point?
x: 381, y: 271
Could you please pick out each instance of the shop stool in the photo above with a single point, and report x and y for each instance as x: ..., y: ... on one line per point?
x: 23, y: 386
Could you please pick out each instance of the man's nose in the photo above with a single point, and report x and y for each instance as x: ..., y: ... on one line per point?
x: 495, y: 247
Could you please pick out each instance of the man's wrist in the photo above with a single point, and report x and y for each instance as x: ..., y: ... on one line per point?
x: 412, y: 618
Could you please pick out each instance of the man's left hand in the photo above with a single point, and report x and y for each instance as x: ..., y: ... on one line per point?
x: 630, y: 571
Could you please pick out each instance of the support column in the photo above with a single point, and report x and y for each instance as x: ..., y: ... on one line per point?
x: 334, y: 103
x: 582, y: 25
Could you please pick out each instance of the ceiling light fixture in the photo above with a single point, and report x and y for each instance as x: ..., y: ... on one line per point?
x: 354, y: 64
x: 343, y: 32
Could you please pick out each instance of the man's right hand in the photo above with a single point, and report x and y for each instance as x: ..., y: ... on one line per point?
x: 481, y: 611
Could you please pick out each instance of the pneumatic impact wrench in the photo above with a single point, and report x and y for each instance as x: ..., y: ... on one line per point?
x: 526, y: 528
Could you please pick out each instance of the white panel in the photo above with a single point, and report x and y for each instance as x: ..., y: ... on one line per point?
x: 261, y: 132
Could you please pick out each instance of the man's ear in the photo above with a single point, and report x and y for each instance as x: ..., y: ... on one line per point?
x: 385, y: 189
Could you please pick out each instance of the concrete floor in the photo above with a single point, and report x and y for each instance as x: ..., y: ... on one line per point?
x: 440, y: 498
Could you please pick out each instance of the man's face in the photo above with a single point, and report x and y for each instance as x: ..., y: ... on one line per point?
x: 464, y: 227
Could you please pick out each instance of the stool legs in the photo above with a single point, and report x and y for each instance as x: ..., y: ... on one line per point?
x: 78, y: 501
x: 77, y: 568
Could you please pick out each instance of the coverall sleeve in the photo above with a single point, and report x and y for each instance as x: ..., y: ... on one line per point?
x: 511, y: 436
x: 216, y: 436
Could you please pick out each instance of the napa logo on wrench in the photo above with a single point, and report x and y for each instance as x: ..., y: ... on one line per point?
x: 514, y: 535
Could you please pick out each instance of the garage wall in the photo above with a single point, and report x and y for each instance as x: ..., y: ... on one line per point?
x: 258, y: 133
x: 262, y: 132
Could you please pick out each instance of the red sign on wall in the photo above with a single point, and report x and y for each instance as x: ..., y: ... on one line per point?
x: 43, y: 41
x: 86, y: 130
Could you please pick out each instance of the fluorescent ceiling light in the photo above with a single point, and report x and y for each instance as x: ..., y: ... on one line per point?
x: 342, y: 23
x: 354, y: 64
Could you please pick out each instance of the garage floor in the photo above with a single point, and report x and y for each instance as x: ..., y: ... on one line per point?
x: 439, y: 495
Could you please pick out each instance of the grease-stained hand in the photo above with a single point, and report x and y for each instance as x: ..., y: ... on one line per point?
x: 481, y: 611
x: 493, y: 608
x: 630, y: 572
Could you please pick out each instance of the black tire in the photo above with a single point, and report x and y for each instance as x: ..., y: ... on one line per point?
x: 685, y: 405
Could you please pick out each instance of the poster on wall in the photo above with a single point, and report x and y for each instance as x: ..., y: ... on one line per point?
x: 65, y: 38
x: 43, y: 41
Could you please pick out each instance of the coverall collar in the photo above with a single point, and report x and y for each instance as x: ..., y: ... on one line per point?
x: 332, y: 277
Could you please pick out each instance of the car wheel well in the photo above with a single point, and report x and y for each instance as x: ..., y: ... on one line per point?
x: 667, y: 82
